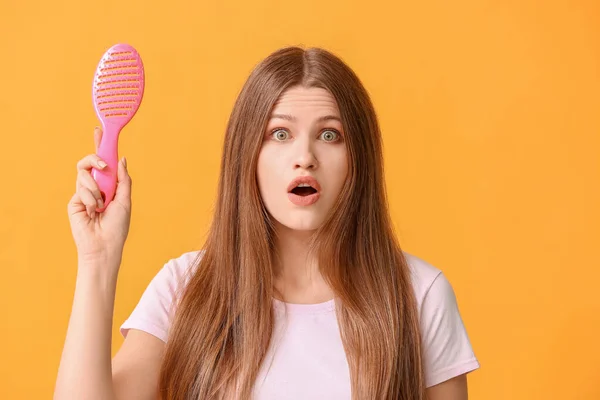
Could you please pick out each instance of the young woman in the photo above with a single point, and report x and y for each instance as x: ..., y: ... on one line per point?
x: 301, y: 290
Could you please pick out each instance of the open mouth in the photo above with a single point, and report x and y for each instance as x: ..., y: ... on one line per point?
x: 304, y: 191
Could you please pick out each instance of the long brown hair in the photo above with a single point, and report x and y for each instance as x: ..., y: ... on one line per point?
x: 223, y: 322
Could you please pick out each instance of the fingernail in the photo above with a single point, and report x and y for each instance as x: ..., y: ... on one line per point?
x: 125, y: 162
x: 102, y: 164
x: 100, y: 203
x: 92, y: 214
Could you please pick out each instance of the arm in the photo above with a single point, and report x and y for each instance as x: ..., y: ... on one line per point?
x: 452, y: 389
x: 136, y: 367
x: 86, y: 370
x: 85, y: 366
x: 447, y: 350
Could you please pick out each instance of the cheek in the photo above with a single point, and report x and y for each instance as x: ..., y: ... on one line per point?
x: 261, y: 173
x: 344, y: 165
x: 339, y: 169
x: 266, y: 172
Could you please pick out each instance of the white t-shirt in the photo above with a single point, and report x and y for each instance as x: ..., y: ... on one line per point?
x: 306, y: 359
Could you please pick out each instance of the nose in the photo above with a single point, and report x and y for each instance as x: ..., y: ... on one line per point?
x: 305, y: 157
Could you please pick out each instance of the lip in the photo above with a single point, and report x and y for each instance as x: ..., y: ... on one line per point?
x: 304, y: 179
x: 304, y: 200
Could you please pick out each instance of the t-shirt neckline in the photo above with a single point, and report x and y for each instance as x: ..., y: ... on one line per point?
x: 296, y: 308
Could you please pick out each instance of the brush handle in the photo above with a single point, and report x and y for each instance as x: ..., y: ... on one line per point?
x: 106, y: 178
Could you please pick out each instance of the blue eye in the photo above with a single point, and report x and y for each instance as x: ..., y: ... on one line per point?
x: 279, y: 134
x: 330, y: 135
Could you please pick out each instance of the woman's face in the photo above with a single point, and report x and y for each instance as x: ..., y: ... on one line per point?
x: 304, y: 138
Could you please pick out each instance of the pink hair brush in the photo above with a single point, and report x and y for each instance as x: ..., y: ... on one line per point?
x: 117, y: 93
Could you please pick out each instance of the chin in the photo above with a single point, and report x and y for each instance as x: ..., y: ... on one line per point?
x: 300, y: 223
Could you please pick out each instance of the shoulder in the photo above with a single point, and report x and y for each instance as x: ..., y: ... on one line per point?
x: 435, y: 295
x: 155, y: 309
x: 425, y: 277
x: 427, y: 280
x: 176, y: 273
x: 447, y: 349
x: 180, y: 269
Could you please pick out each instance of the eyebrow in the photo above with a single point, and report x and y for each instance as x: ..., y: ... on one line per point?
x: 293, y: 119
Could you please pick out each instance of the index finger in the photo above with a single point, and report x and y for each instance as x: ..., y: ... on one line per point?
x: 90, y: 161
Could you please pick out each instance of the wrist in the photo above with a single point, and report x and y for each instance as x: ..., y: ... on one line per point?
x: 108, y: 259
x: 98, y: 268
x: 97, y: 279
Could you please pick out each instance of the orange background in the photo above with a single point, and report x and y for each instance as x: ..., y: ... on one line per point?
x: 490, y: 115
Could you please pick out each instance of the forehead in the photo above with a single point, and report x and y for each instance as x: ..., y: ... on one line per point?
x: 301, y: 99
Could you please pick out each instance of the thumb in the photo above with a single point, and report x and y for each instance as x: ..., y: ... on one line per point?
x: 123, y: 192
x: 97, y: 137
